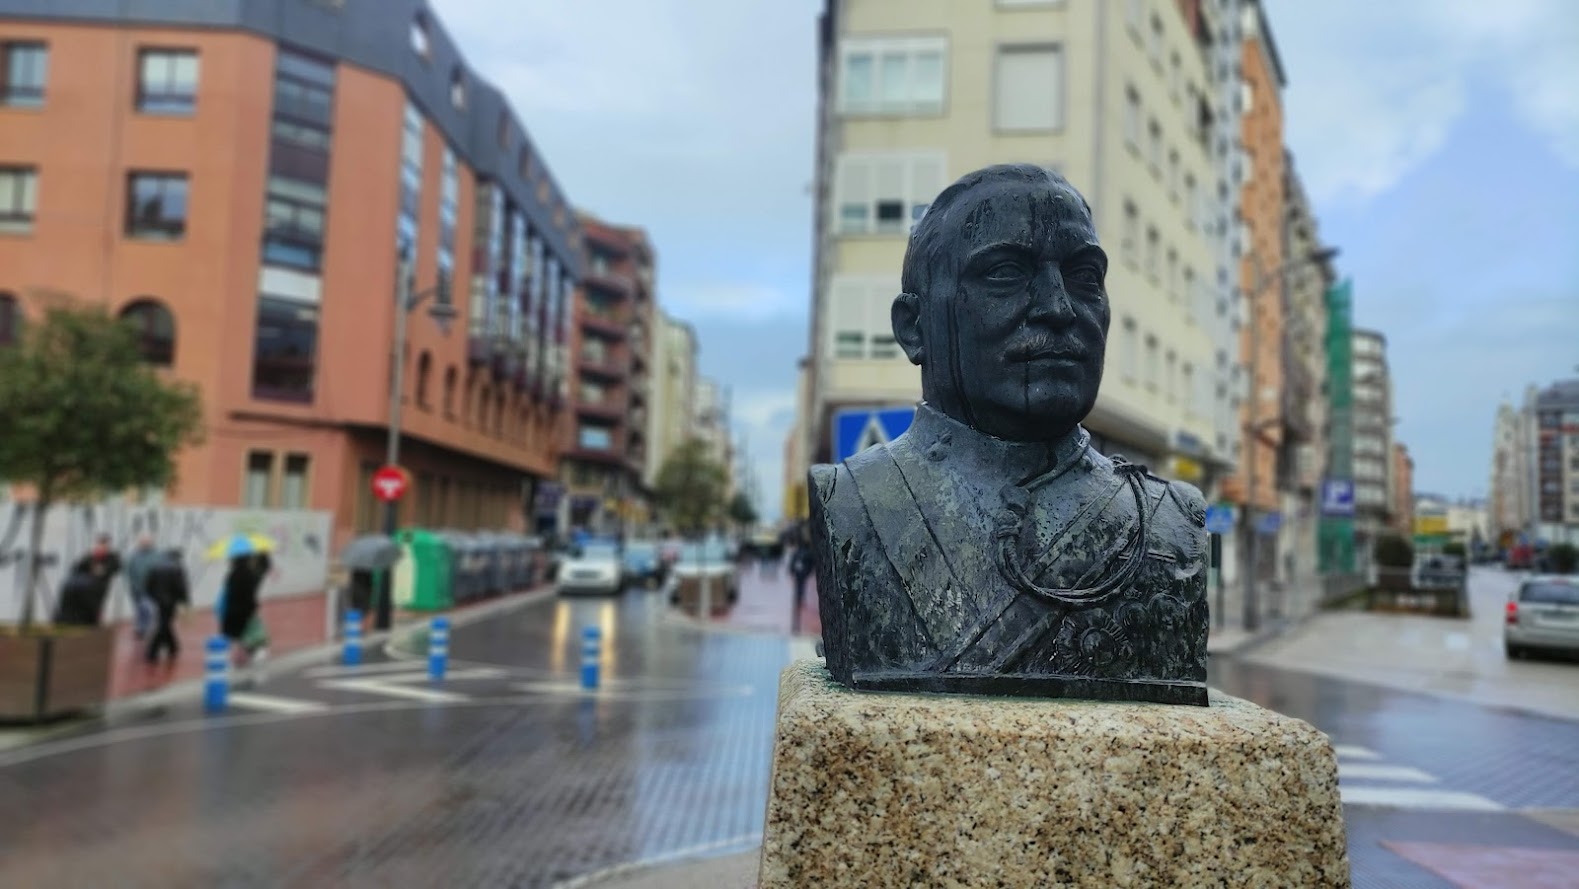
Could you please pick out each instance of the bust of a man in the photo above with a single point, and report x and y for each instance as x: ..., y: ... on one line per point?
x: 990, y: 549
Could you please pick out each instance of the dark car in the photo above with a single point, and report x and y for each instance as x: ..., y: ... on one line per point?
x: 644, y: 565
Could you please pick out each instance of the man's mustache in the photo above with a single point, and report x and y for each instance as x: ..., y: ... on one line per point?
x: 1041, y: 344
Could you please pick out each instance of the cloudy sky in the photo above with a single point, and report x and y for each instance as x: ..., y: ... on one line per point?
x: 1439, y: 140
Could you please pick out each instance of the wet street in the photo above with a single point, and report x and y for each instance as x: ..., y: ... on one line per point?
x: 507, y: 774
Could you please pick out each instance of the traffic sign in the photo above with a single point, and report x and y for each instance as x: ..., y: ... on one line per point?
x: 1337, y: 497
x: 858, y: 429
x: 1219, y: 518
x: 390, y: 483
x: 1268, y: 523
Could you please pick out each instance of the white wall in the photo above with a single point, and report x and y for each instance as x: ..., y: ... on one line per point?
x: 301, y: 560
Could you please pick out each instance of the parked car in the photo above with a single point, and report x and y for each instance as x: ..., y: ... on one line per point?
x: 643, y: 564
x: 1543, y: 615
x: 712, y: 561
x: 593, y: 568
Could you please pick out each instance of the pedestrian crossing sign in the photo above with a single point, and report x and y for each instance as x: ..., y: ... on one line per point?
x: 857, y: 429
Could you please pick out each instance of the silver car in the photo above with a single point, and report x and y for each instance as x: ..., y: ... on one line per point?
x: 1543, y: 614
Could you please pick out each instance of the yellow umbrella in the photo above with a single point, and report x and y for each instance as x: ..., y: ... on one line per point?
x: 240, y: 544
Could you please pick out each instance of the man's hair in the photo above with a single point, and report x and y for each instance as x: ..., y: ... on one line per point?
x: 935, y: 224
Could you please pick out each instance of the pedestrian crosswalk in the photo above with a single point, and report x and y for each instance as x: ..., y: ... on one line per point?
x: 1365, y: 779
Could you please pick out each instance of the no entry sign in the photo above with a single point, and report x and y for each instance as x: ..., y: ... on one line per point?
x: 390, y: 483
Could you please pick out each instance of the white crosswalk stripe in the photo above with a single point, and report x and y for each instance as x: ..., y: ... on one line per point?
x: 394, y: 690
x: 272, y: 704
x: 1365, y: 780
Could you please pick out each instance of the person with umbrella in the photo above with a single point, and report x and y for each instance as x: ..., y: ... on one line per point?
x: 365, y: 558
x: 239, y: 622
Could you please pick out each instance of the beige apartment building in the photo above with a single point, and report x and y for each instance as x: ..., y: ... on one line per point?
x: 674, y: 391
x: 1114, y: 95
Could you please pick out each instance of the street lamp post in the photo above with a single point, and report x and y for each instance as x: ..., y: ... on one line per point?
x: 442, y: 312
x: 1253, y: 425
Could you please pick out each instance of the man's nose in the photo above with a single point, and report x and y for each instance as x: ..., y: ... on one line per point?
x: 1050, y: 300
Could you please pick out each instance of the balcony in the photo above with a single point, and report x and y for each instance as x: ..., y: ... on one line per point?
x: 608, y: 409
x: 1299, y: 394
x: 603, y: 325
x: 610, y: 283
x: 603, y: 367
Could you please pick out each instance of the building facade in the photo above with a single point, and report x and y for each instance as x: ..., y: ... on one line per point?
x: 1118, y: 98
x: 710, y: 424
x: 256, y: 186
x: 1510, y: 506
x: 1372, y: 461
x: 1402, y: 481
x: 1556, y: 463
x: 674, y: 391
x: 605, y: 464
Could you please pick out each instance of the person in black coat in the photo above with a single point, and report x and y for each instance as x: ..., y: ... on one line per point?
x: 241, y: 593
x: 168, y: 590
x: 86, y: 587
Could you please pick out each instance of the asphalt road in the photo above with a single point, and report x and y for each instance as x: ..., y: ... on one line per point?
x: 507, y: 774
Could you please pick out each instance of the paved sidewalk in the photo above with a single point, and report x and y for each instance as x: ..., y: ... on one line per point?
x: 766, y: 604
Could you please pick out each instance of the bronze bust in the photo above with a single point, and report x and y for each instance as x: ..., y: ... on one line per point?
x: 990, y: 549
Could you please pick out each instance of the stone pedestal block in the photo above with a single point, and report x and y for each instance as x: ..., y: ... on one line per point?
x: 905, y: 790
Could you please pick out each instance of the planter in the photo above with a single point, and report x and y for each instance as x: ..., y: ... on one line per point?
x: 56, y: 672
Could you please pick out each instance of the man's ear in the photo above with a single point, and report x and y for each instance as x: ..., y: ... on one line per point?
x: 906, y: 316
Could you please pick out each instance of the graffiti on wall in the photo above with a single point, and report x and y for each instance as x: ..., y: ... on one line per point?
x: 301, y: 556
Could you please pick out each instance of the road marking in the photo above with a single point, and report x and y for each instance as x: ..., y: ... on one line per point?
x: 274, y: 704
x: 377, y: 687
x: 1349, y: 751
x: 357, y: 670
x: 1412, y: 798
x: 1372, y: 772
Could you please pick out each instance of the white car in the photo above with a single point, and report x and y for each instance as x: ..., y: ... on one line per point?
x: 596, y: 568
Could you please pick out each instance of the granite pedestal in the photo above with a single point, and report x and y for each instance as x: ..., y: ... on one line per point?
x: 906, y: 790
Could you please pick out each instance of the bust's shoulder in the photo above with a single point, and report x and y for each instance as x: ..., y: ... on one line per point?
x: 1182, y: 496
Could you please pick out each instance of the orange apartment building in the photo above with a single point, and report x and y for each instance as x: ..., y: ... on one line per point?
x: 252, y: 185
x: 1262, y: 209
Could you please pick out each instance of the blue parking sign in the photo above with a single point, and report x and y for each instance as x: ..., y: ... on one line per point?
x: 1219, y: 518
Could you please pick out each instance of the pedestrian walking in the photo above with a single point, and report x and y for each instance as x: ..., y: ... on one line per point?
x: 143, y: 558
x: 803, y: 564
x: 86, y: 587
x: 242, y: 582
x: 169, y: 593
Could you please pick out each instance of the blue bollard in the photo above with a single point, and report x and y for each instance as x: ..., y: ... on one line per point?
x: 353, y: 638
x: 216, y: 680
x: 438, y: 647
x: 591, y: 656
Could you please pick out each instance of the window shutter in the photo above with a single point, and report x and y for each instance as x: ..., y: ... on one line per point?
x: 879, y: 318
x: 927, y: 175
x: 847, y: 306
x: 1028, y: 88
x: 853, y: 213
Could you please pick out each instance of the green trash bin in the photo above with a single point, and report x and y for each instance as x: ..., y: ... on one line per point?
x: 422, y: 576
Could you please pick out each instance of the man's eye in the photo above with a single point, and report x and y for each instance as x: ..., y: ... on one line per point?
x: 1005, y: 272
x: 1088, y: 275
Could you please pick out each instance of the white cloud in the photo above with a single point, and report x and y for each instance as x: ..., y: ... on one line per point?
x: 1374, y: 88
x: 743, y: 301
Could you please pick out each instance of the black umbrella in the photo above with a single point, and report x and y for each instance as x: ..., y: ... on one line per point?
x: 370, y: 553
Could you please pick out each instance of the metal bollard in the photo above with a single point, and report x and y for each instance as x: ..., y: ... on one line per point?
x: 438, y: 647
x: 353, y: 639
x: 216, y: 681
x: 591, y: 657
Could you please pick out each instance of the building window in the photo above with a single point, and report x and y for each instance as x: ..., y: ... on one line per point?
x: 424, y: 371
x: 24, y: 67
x: 167, y: 81
x: 593, y: 393
x: 1130, y: 244
x: 1153, y: 370
x: 449, y: 391
x: 885, y: 193
x: 1154, y: 45
x: 155, y: 328
x: 1175, y: 77
x: 285, y: 355
x: 156, y: 205
x: 420, y: 44
x: 595, y: 438
x: 1029, y: 88
x: 1173, y: 176
x: 1153, y: 251
x: 860, y: 312
x: 10, y: 320
x: 1132, y: 118
x: 1131, y: 350
x: 1189, y: 294
x: 1191, y: 200
x: 259, y: 481
x: 1154, y: 146
x: 1187, y: 385
x: 1134, y: 15
x: 18, y: 199
x: 458, y: 88
x: 1173, y: 275
x: 892, y: 76
x: 1171, y: 378
x: 293, y: 486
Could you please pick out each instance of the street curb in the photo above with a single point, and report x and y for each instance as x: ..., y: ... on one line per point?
x: 674, y: 615
x: 152, y: 702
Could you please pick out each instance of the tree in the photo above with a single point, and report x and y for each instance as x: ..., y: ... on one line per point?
x: 84, y: 417
x: 742, y: 511
x: 691, y: 486
x: 1393, y: 551
x: 1564, y: 558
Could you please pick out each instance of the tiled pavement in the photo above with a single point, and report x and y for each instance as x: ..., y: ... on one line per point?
x: 767, y: 604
